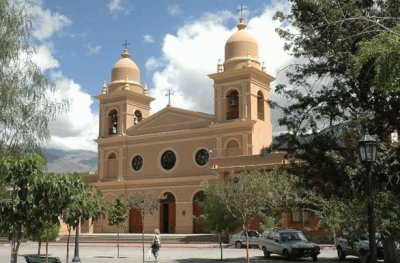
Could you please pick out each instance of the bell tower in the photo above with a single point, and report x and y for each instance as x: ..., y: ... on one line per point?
x: 242, y: 86
x: 124, y: 102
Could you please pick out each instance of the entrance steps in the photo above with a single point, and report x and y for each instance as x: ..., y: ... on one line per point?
x: 137, y: 238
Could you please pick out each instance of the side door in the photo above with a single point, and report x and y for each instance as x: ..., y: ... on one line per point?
x: 253, y: 237
x: 275, y: 243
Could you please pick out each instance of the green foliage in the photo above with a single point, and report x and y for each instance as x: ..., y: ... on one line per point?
x: 50, y: 232
x: 384, y: 52
x: 25, y: 105
x: 86, y: 201
x: 145, y: 202
x: 16, y: 207
x: 118, y: 212
x: 216, y: 216
x: 249, y: 194
x: 33, y: 201
x: 346, y: 81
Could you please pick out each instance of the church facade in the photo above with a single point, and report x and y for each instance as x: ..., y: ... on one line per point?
x: 170, y: 153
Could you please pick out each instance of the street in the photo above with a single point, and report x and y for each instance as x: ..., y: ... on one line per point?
x: 177, y: 253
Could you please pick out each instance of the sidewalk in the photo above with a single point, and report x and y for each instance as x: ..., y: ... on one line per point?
x: 169, y: 253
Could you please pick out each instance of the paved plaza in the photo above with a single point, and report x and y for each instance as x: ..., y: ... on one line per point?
x: 179, y: 253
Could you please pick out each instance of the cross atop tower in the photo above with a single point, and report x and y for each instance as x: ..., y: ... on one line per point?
x: 241, y: 9
x: 126, y: 44
x: 169, y: 94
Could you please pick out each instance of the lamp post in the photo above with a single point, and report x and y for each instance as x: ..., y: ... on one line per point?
x: 76, y: 250
x: 367, y: 148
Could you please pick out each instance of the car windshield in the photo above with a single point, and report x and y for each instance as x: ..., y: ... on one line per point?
x: 292, y: 236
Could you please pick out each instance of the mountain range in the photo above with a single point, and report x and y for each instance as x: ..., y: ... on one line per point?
x: 61, y: 161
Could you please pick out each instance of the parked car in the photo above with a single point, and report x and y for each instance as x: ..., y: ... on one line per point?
x: 239, y: 239
x: 360, y: 246
x: 289, y: 243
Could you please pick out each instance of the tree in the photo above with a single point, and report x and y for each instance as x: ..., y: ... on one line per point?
x: 17, y: 172
x: 86, y: 204
x: 25, y: 105
x: 216, y: 216
x: 49, y: 197
x: 248, y: 194
x: 49, y: 233
x: 146, y: 203
x: 117, y: 215
x: 338, y: 90
x: 384, y: 51
x: 34, y: 199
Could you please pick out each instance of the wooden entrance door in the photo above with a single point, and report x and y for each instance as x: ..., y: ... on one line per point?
x: 135, y: 221
x: 168, y: 214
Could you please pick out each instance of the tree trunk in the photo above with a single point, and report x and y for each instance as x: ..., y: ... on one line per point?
x: 39, y: 247
x: 69, y: 235
x: 247, y: 244
x: 220, y: 245
x: 47, y: 245
x: 143, y: 236
x: 389, y: 250
x: 117, y: 241
x: 14, y: 250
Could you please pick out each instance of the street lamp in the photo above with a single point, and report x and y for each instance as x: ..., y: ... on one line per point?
x: 76, y: 250
x: 367, y: 148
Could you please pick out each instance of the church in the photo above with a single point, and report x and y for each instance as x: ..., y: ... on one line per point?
x: 171, y: 152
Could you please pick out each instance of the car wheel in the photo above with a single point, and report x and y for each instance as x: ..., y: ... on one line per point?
x: 286, y: 254
x: 340, y: 253
x: 267, y: 254
x: 315, y: 258
x: 238, y: 244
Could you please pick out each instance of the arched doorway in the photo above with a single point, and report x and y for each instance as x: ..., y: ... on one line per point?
x: 197, y: 211
x: 135, y: 221
x: 167, y: 213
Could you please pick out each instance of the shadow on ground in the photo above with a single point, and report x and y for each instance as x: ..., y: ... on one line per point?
x: 263, y: 259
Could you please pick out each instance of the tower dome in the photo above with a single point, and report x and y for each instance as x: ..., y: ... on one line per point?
x: 125, y: 74
x: 125, y: 66
x: 241, y: 49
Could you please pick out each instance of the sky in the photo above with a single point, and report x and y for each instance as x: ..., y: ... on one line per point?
x: 176, y: 44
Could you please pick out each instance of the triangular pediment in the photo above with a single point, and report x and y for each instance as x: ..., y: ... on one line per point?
x: 171, y: 119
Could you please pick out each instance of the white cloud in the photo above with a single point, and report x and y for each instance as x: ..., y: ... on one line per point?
x: 78, y: 127
x: 115, y: 6
x: 44, y: 57
x: 174, y: 10
x: 148, y: 38
x: 47, y: 23
x: 93, y: 49
x: 193, y: 52
x: 152, y: 63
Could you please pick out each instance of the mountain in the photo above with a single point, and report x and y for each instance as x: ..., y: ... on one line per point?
x: 60, y: 161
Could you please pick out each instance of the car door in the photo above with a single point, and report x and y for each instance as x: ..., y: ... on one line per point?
x: 275, y: 244
x: 253, y: 237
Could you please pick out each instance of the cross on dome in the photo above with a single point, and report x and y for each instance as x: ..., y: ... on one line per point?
x: 126, y: 44
x: 241, y: 9
x: 242, y: 24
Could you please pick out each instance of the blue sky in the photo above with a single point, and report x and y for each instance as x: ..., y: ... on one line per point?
x: 174, y: 43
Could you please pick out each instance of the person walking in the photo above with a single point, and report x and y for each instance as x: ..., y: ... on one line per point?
x: 156, y: 244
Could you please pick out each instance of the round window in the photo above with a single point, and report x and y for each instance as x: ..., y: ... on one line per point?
x: 202, y: 157
x: 137, y: 162
x: 168, y: 160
